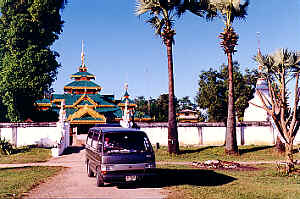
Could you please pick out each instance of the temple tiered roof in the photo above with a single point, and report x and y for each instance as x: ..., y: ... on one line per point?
x: 83, y: 103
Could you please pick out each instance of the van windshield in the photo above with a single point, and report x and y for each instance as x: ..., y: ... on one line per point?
x: 125, y: 142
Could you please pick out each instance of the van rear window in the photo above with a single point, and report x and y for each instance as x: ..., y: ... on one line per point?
x: 126, y: 142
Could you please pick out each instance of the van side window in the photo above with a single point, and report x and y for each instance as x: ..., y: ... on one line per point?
x: 95, y: 140
x: 89, y: 138
x: 99, y: 147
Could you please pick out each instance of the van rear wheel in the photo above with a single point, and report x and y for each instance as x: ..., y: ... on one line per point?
x: 99, y: 180
x: 90, y: 173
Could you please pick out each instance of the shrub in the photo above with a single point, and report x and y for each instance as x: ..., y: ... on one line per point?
x: 5, y: 147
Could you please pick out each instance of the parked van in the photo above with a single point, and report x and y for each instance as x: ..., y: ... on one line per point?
x: 118, y: 155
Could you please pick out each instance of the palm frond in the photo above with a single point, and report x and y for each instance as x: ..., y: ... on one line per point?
x: 239, y: 10
x: 281, y: 59
x: 143, y: 6
x: 156, y: 23
x: 201, y: 8
x: 234, y: 7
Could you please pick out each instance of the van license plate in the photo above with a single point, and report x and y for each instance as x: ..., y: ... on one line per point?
x: 130, y: 178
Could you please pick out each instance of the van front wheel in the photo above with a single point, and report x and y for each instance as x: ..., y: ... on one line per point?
x: 99, y: 180
x: 90, y: 173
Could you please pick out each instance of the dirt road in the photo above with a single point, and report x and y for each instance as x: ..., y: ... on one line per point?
x: 74, y: 183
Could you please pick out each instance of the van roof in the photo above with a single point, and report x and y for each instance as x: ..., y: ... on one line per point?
x: 108, y: 125
x: 116, y: 129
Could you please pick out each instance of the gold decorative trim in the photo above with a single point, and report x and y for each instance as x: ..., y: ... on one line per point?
x: 75, y: 87
x: 86, y: 122
x: 86, y: 110
x: 105, y: 106
x: 136, y: 119
x: 43, y: 104
x: 92, y: 76
x: 82, y: 98
x: 57, y: 100
x: 90, y: 106
x: 122, y: 104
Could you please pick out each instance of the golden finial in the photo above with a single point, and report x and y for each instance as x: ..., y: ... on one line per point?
x: 82, y: 55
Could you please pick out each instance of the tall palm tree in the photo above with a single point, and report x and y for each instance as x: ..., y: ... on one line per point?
x: 229, y: 10
x: 161, y: 14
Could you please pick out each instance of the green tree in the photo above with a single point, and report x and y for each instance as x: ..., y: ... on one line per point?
x: 229, y: 10
x: 163, y: 107
x: 28, y: 65
x: 213, y: 91
x: 279, y: 69
x: 142, y: 105
x: 185, y: 103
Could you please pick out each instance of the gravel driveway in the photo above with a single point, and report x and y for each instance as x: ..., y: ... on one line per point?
x: 74, y: 183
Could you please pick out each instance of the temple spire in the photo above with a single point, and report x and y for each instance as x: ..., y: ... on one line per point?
x: 82, y: 55
x: 258, y: 43
x: 258, y: 50
x: 126, y: 95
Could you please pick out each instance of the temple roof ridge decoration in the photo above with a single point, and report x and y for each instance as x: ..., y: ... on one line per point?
x: 82, y: 80
x: 126, y: 99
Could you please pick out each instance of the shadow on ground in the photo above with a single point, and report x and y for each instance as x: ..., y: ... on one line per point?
x: 172, y: 177
x: 254, y: 149
x: 196, y: 150
x: 73, y: 149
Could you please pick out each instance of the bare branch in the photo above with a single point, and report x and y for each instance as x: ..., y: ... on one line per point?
x: 292, y: 126
x: 264, y: 103
x: 258, y: 106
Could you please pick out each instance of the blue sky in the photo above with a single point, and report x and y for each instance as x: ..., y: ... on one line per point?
x: 120, y: 47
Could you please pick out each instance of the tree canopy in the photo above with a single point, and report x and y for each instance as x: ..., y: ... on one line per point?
x: 213, y: 91
x: 155, y: 108
x: 28, y: 66
x: 279, y: 68
x: 185, y: 103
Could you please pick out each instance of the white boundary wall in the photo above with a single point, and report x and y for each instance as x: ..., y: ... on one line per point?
x: 213, y: 134
x: 209, y: 134
x: 46, y: 134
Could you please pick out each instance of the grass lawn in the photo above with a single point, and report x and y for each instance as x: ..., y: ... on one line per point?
x: 26, y: 156
x: 264, y: 183
x: 15, y: 181
x: 248, y: 153
x: 261, y: 181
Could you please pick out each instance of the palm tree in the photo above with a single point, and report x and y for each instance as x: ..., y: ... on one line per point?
x: 279, y: 69
x: 161, y: 14
x: 161, y: 17
x: 229, y: 10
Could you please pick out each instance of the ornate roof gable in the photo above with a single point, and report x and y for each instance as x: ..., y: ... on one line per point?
x: 85, y: 98
x: 83, y: 112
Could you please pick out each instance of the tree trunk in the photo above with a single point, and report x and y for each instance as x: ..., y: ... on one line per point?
x: 280, y: 147
x: 230, y: 143
x: 173, y: 145
x: 289, y: 157
x: 289, y: 152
